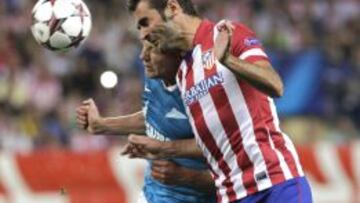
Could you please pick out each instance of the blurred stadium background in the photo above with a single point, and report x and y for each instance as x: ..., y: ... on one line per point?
x: 314, y: 44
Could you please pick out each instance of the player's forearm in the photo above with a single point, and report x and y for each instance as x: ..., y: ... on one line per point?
x: 122, y: 125
x: 199, y: 179
x: 183, y: 148
x: 260, y: 75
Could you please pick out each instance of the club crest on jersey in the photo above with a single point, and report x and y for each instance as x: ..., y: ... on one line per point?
x: 202, y: 88
x: 208, y: 59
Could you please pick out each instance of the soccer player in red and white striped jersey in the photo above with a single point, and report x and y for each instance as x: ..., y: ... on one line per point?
x: 226, y: 90
x: 236, y: 124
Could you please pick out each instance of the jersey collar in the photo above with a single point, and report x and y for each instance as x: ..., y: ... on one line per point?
x: 170, y: 88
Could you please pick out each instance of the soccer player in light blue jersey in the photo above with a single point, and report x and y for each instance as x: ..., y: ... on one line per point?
x: 166, y: 181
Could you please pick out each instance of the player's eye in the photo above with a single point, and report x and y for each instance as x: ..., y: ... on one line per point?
x: 143, y: 22
x: 155, y: 50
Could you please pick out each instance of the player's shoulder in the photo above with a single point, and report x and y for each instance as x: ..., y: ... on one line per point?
x: 244, y: 38
x: 157, y: 85
x: 244, y: 35
x: 151, y: 85
x: 239, y: 26
x: 151, y: 81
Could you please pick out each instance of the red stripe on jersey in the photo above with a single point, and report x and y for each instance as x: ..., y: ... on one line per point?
x: 179, y: 75
x: 253, y: 98
x: 189, y: 74
x: 209, y: 141
x: 278, y: 138
x: 232, y: 131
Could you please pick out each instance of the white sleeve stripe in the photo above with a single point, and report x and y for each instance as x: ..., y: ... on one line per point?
x: 252, y: 52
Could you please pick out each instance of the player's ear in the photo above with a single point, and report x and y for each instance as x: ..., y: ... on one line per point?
x: 172, y: 9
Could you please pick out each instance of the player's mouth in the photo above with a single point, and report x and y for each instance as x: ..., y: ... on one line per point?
x: 148, y: 66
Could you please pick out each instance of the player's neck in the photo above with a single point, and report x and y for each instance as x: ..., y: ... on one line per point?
x: 169, y: 81
x: 189, y: 25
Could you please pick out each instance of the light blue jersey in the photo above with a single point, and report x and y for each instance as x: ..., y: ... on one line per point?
x: 166, y: 120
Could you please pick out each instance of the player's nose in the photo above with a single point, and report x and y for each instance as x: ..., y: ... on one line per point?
x: 145, y: 34
x: 144, y: 56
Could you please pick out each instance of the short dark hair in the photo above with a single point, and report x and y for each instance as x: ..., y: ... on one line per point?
x: 160, y: 5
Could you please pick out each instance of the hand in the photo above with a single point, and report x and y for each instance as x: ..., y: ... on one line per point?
x: 146, y: 148
x: 87, y: 115
x: 170, y: 173
x: 223, y: 40
x: 133, y: 151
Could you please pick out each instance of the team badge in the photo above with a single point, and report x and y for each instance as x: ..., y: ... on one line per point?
x: 208, y: 59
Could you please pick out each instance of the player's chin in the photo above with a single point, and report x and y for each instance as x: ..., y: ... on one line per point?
x: 151, y: 74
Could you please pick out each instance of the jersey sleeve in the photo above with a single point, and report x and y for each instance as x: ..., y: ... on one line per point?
x: 246, y: 45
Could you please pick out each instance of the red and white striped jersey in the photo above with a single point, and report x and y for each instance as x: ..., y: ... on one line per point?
x: 235, y: 125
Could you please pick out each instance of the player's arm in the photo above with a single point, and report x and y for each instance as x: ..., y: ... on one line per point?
x: 88, y: 118
x: 260, y: 74
x: 170, y: 173
x: 148, y: 148
x: 121, y: 125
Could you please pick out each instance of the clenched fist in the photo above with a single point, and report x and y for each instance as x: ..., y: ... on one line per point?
x: 87, y: 115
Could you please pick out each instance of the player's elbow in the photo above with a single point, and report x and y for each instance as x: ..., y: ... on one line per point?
x: 278, y: 89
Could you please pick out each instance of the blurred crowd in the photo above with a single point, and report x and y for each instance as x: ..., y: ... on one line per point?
x: 39, y: 89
